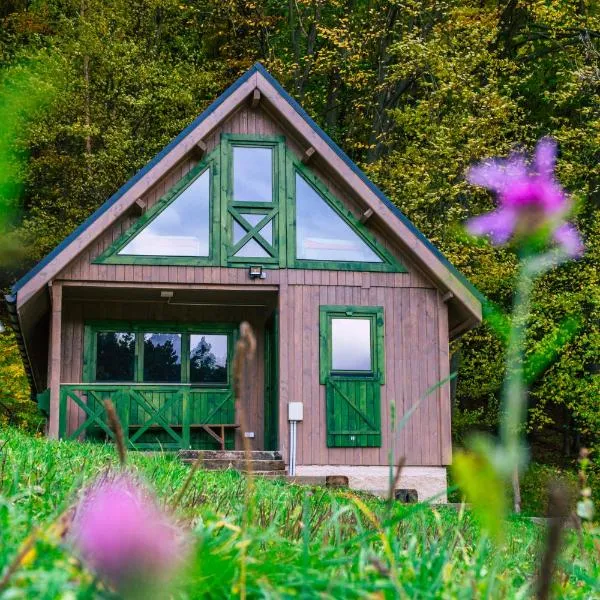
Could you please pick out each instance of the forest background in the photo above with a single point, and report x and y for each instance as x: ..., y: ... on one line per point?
x: 415, y: 91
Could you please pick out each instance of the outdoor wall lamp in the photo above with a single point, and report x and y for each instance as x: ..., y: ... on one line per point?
x: 257, y: 272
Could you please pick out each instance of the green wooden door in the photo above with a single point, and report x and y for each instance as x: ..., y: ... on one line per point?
x: 351, y: 368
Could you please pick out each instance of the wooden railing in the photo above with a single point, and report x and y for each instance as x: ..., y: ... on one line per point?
x: 152, y: 416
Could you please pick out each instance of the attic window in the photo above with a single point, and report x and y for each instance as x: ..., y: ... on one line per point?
x: 182, y: 228
x: 252, y: 174
x: 322, y: 233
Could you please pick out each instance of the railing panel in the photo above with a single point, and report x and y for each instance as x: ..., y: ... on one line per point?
x: 152, y: 416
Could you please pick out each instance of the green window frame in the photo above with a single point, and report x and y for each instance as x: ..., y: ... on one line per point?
x: 92, y: 328
x: 353, y: 398
x: 270, y: 211
x: 111, y: 254
x: 375, y: 314
x: 388, y: 263
x: 281, y: 212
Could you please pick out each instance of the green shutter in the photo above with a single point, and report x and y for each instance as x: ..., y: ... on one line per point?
x: 353, y: 400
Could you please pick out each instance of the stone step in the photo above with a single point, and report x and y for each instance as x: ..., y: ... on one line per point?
x: 231, y: 455
x: 211, y: 464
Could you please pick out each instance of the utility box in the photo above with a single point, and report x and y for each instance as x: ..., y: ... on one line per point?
x: 295, y: 411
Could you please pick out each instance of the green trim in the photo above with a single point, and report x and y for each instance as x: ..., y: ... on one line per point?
x: 375, y: 313
x: 271, y: 361
x: 353, y: 399
x: 273, y: 211
x: 140, y: 327
x: 43, y: 401
x: 281, y: 213
x: 111, y: 254
x: 389, y: 264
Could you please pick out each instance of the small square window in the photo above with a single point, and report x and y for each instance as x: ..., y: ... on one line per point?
x: 351, y: 344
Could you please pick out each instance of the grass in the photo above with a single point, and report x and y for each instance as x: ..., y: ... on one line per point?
x: 299, y: 543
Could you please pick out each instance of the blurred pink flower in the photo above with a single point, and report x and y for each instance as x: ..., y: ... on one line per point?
x: 124, y: 537
x: 529, y: 197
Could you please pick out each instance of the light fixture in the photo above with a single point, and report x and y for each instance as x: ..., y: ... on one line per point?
x: 166, y: 294
x: 257, y: 272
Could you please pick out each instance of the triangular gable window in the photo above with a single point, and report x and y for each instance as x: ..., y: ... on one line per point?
x: 244, y: 202
x: 180, y: 229
x: 322, y: 234
x: 176, y: 230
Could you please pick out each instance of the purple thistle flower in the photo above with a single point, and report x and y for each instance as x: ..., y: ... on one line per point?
x: 529, y: 198
x: 124, y: 537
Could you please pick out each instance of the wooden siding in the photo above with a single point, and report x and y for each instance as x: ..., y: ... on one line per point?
x: 415, y: 350
x: 77, y: 312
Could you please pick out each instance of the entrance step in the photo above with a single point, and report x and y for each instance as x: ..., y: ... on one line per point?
x: 259, y: 461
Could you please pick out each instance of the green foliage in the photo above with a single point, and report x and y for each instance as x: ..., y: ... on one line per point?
x: 414, y: 90
x: 16, y: 407
x: 301, y: 542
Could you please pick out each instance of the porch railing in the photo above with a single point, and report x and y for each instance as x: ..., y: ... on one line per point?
x: 152, y: 416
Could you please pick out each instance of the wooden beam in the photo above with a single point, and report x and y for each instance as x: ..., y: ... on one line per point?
x: 308, y: 154
x: 254, y: 102
x: 138, y: 207
x: 199, y: 150
x: 366, y: 215
x: 55, y: 358
x: 447, y: 296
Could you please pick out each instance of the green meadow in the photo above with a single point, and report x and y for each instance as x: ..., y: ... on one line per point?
x: 274, y: 540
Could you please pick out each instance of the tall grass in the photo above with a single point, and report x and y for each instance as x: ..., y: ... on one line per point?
x: 300, y: 542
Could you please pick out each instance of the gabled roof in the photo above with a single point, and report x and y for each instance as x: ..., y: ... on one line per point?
x: 426, y: 255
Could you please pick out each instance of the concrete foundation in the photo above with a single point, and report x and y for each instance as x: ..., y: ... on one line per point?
x: 430, y: 482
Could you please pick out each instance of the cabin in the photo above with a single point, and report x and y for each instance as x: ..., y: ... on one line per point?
x: 252, y: 214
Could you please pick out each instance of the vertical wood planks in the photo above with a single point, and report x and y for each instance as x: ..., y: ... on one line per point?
x: 56, y: 355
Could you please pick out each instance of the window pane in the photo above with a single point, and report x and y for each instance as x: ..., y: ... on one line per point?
x: 115, y: 356
x: 208, y: 358
x: 238, y: 232
x: 321, y: 234
x: 351, y: 345
x: 252, y: 174
x: 252, y: 249
x: 162, y: 357
x: 253, y: 218
x: 267, y: 232
x: 181, y: 229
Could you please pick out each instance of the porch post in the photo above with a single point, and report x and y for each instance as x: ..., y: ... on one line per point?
x: 54, y: 362
x: 283, y: 344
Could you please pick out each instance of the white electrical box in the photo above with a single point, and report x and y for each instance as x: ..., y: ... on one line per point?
x: 295, y: 411
x: 249, y: 434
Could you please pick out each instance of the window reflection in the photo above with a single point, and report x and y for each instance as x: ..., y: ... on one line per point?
x: 351, y: 344
x: 162, y: 357
x: 208, y: 358
x: 115, y: 356
x: 181, y: 229
x: 252, y: 174
x: 321, y: 234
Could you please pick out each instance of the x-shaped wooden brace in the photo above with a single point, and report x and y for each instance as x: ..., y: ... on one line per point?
x: 253, y: 231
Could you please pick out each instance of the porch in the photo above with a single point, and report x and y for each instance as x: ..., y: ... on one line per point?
x: 164, y: 359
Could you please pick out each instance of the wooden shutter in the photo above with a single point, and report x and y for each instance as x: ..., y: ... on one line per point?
x: 353, y: 413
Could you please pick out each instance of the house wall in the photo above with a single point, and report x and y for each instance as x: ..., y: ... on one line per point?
x: 416, y: 325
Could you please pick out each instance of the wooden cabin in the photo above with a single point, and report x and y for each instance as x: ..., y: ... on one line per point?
x: 251, y: 214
